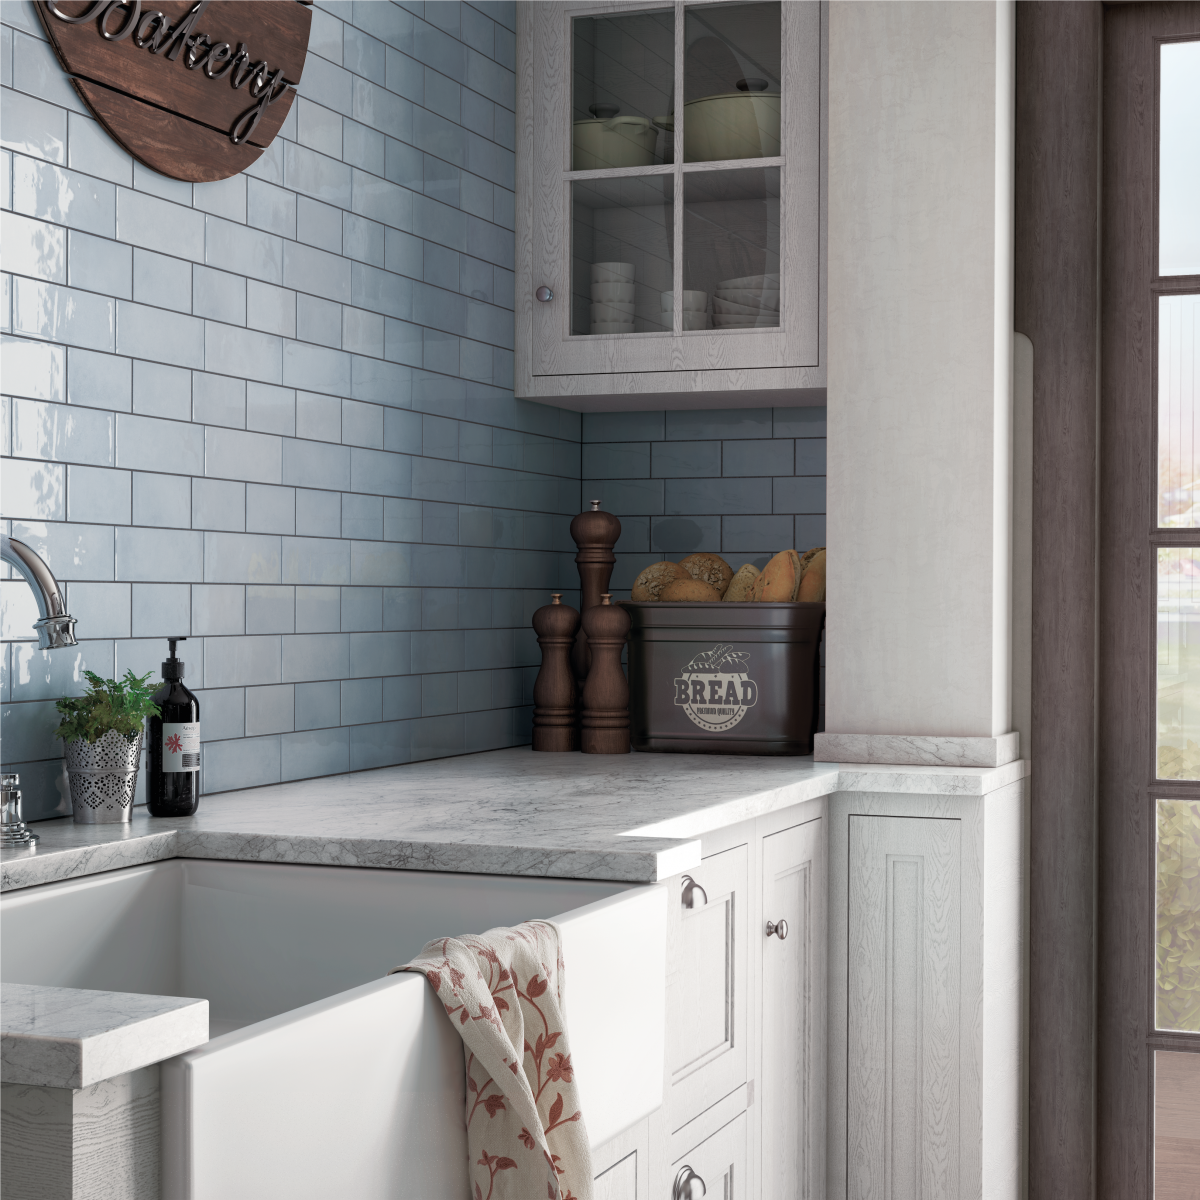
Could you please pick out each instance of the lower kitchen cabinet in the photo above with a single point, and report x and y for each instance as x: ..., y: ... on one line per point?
x: 744, y: 1090
x: 926, y: 1009
x: 716, y: 1168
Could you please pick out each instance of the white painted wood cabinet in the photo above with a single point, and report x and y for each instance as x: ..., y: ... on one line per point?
x: 744, y: 1083
x: 670, y: 214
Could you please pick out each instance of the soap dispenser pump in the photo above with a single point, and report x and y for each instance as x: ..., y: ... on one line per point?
x: 174, y: 776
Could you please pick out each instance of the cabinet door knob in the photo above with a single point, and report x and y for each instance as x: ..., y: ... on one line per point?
x: 544, y: 294
x: 694, y: 896
x: 688, y: 1185
x: 778, y: 928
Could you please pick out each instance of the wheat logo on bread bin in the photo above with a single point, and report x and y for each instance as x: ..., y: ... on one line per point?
x: 715, y: 688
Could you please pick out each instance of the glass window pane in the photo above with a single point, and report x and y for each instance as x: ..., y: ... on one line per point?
x: 731, y: 248
x: 1179, y: 159
x: 624, y: 81
x: 622, y: 242
x: 732, y: 78
x: 1178, y: 428
x: 1179, y: 662
x: 1177, y: 973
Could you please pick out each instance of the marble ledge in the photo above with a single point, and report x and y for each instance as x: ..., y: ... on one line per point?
x: 631, y: 818
x: 889, y: 749
x: 72, y: 1038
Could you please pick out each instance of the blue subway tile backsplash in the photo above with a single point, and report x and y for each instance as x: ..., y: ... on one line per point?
x: 275, y: 415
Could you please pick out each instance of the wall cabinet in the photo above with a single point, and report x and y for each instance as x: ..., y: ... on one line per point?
x: 670, y: 231
x: 744, y: 1086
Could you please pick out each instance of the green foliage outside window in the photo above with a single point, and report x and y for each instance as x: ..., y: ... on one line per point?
x: 1178, y: 949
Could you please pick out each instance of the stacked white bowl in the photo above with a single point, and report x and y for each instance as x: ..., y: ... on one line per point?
x: 612, y: 297
x: 751, y: 302
x: 695, y: 309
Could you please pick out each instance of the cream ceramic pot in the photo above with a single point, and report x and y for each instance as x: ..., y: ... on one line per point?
x: 617, y: 142
x: 733, y: 125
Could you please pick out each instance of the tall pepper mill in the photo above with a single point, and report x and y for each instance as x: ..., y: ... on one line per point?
x: 554, y: 709
x: 595, y: 533
x: 605, y: 725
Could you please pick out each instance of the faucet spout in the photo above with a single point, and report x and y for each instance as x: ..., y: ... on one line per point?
x: 56, y: 628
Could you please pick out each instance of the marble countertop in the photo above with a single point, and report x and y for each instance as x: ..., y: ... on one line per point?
x: 72, y: 1038
x: 630, y: 818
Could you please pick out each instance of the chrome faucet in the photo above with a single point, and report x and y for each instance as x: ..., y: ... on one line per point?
x: 56, y: 629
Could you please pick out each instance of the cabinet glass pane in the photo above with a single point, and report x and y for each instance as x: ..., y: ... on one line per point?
x: 622, y: 235
x: 731, y: 248
x: 1178, y: 402
x: 1177, y: 967
x: 1179, y: 159
x: 1179, y: 662
x: 624, y: 79
x: 732, y: 73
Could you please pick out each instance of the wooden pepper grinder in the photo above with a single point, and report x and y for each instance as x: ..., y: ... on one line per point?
x: 595, y: 533
x: 554, y: 710
x: 606, y: 692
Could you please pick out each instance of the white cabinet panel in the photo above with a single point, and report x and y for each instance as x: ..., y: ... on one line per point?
x: 793, y: 1008
x: 707, y: 987
x: 619, y: 1182
x: 903, y: 979
x: 719, y: 1162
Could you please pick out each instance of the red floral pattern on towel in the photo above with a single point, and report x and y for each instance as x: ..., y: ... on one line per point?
x: 503, y: 992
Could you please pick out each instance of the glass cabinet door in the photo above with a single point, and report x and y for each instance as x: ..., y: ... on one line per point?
x: 688, y: 192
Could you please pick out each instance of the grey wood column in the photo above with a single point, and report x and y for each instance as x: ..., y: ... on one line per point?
x: 1057, y: 306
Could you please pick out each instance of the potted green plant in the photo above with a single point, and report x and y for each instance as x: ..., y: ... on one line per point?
x: 102, y: 742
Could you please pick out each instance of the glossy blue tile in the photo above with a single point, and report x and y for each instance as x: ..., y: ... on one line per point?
x: 94, y: 494
x: 162, y: 609
x: 810, y: 456
x: 317, y: 752
x: 308, y: 657
x: 362, y: 701
x: 810, y: 531
x: 270, y: 409
x: 752, y: 535
x: 270, y: 709
x: 34, y: 490
x: 241, y: 661
x: 219, y: 295
x: 381, y: 745
x: 156, y: 224
x: 318, y: 609
x: 218, y: 609
x: 270, y: 608
x: 96, y: 264
x: 318, y: 705
x: 805, y: 494
x: 243, y: 763
x: 362, y: 517
x: 757, y: 457
x: 362, y: 424
x: 318, y: 514
x: 152, y: 555
x: 800, y: 422
x: 241, y: 558
x: 217, y: 504
x: 162, y: 391
x: 688, y: 496
x: 222, y: 713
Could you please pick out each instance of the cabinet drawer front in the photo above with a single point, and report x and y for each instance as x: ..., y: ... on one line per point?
x: 903, y: 1020
x: 706, y: 988
x: 720, y: 1161
x: 793, y: 1028
x: 619, y: 1182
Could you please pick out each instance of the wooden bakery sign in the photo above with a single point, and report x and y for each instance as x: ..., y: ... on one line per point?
x: 195, y: 90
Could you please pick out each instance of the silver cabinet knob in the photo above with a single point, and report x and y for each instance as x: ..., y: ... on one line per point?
x: 544, y: 294
x: 694, y: 896
x: 778, y: 928
x: 688, y: 1185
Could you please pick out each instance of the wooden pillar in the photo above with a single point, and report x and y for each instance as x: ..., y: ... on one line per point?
x: 1057, y: 307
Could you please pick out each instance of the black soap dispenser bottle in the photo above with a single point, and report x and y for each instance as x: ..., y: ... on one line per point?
x: 174, y: 780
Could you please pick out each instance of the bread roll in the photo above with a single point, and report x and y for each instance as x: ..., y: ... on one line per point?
x: 654, y: 578
x: 807, y: 558
x: 689, y: 589
x: 741, y: 587
x: 780, y: 578
x: 812, y: 586
x: 710, y: 568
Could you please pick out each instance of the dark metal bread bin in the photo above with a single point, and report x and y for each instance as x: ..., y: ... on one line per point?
x: 750, y: 673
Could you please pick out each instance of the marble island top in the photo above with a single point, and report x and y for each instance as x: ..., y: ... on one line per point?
x: 630, y: 818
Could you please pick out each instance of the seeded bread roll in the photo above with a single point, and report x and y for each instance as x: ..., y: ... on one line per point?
x: 807, y: 557
x: 689, y: 589
x: 812, y: 586
x: 709, y: 568
x: 780, y: 578
x: 654, y: 578
x: 741, y: 587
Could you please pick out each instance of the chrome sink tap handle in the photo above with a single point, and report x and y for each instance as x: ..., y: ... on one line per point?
x: 13, y: 831
x: 56, y: 628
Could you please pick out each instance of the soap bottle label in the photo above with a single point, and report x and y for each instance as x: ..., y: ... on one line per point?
x: 181, y: 746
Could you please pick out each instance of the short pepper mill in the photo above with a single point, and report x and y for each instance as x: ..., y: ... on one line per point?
x: 555, y: 716
x: 605, y: 725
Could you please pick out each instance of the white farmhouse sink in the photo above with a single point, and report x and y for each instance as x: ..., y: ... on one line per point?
x: 323, y: 1078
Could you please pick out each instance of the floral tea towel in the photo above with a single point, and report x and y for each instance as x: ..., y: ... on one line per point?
x: 503, y: 991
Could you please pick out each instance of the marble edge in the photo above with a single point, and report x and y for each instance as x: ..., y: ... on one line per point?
x: 109, y: 1042
x: 920, y: 750
x: 614, y: 862
x: 744, y: 808
x: 47, y: 864
x: 929, y: 781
